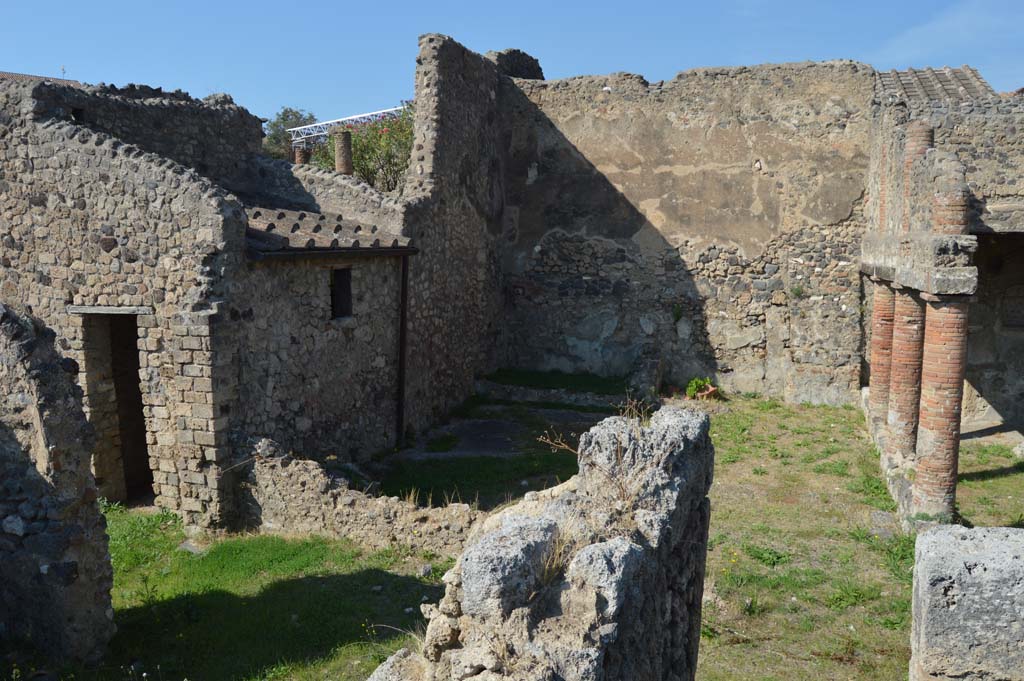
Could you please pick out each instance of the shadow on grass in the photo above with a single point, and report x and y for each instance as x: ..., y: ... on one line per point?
x: 482, y: 480
x: 218, y: 635
x: 993, y: 473
x: 556, y: 380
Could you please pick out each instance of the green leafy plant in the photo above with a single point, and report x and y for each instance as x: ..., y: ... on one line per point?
x: 766, y: 555
x: 380, y: 150
x: 699, y: 387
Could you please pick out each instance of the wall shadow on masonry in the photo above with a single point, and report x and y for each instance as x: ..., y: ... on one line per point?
x: 602, y: 290
x: 222, y: 635
x: 994, y: 396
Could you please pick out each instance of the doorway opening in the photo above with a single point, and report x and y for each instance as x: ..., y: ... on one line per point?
x: 114, y: 398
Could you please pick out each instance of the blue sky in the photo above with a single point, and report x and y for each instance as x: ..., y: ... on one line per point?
x: 341, y: 58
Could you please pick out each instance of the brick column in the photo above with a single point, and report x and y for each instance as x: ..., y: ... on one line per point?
x: 881, y: 351
x: 942, y: 391
x: 949, y: 211
x: 343, y: 151
x: 905, y: 381
x: 302, y: 155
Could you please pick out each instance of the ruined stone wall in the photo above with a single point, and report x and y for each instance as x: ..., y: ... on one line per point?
x: 714, y: 218
x: 986, y: 138
x: 283, y: 495
x: 91, y: 221
x: 55, y: 574
x: 454, y: 205
x: 213, y: 136
x: 280, y: 184
x: 317, y: 385
x: 598, y: 579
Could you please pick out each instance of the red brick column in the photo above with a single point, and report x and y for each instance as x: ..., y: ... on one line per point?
x: 905, y: 381
x: 881, y: 351
x: 302, y: 155
x: 942, y: 391
x: 949, y: 212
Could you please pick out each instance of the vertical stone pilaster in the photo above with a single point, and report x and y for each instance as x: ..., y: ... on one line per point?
x: 881, y: 351
x: 942, y: 388
x: 303, y: 155
x: 905, y: 379
x: 920, y: 137
x: 883, y: 192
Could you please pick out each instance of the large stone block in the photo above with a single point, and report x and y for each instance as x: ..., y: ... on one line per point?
x: 598, y: 579
x: 968, y: 605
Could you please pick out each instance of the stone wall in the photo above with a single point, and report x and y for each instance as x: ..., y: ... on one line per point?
x: 107, y: 238
x: 317, y: 385
x: 55, y: 574
x: 454, y: 206
x: 283, y: 495
x: 598, y: 578
x: 95, y: 223
x: 967, y: 603
x: 213, y: 136
x: 714, y: 218
x: 279, y: 184
x: 994, y: 390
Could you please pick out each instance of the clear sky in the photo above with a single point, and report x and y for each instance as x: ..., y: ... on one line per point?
x: 345, y: 57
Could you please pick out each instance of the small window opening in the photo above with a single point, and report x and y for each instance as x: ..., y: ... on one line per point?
x: 78, y: 115
x: 341, y: 293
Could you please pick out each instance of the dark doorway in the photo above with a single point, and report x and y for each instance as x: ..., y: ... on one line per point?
x: 124, y: 356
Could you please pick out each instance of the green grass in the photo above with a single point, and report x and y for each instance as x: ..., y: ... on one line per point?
x: 766, y: 555
x: 583, y: 383
x: 443, y: 443
x: 872, y: 491
x: 848, y: 593
x: 475, y: 406
x: 839, y: 469
x: 991, y: 489
x: 797, y: 587
x: 255, y: 607
x: 486, y: 480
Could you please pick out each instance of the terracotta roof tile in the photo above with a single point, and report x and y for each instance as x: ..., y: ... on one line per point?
x: 274, y: 231
x: 929, y: 85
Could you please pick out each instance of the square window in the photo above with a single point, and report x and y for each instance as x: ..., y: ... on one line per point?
x: 341, y: 293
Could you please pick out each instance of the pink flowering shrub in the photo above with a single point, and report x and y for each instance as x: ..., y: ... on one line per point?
x: 380, y: 150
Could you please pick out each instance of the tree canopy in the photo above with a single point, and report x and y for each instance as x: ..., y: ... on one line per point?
x: 277, y: 142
